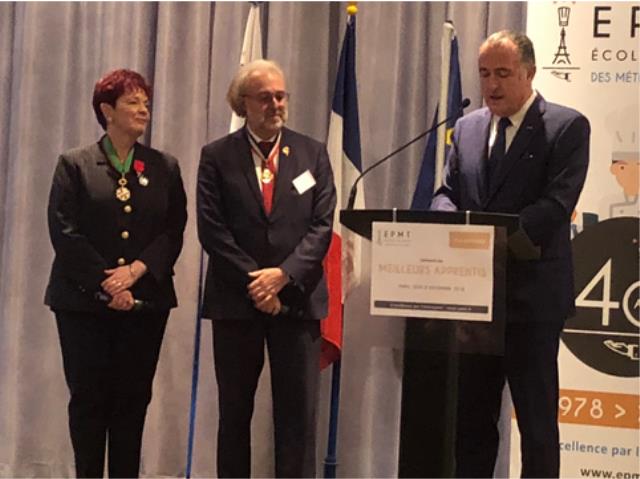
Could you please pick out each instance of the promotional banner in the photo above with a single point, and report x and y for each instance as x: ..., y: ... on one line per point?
x: 432, y: 271
x: 587, y: 56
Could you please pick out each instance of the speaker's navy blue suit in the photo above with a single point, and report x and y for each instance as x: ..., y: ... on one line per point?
x: 540, y: 179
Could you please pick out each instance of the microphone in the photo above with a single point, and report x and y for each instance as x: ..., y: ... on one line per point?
x: 291, y: 312
x: 142, y: 306
x: 139, y: 305
x: 352, y: 194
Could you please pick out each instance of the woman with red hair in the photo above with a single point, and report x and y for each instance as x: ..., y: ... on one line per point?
x: 117, y: 213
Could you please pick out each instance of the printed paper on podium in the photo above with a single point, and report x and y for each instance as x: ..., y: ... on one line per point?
x: 433, y: 271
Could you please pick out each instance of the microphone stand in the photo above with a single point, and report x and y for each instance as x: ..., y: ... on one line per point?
x: 352, y: 194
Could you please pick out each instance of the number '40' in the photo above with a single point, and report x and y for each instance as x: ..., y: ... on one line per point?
x: 606, y: 304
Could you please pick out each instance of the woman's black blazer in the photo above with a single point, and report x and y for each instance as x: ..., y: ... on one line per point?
x: 91, y: 230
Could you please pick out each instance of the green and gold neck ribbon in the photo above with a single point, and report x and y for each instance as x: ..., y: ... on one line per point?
x: 123, y: 168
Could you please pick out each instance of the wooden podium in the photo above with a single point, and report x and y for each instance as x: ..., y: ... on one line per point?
x: 431, y: 346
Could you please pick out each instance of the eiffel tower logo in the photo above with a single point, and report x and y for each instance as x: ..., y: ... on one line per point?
x: 561, y: 66
x: 562, y: 55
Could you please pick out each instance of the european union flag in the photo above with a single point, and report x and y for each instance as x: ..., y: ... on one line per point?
x: 424, y: 187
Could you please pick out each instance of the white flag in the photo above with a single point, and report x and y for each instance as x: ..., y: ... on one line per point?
x: 251, y: 50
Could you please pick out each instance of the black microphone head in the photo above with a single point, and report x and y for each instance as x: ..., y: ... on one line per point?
x: 465, y: 103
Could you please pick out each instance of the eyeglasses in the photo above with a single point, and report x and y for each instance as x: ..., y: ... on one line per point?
x: 267, y: 97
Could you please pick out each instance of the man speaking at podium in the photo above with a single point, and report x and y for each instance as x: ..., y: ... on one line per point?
x: 519, y: 155
x: 265, y: 213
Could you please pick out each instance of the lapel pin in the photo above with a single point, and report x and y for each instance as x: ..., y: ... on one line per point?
x: 285, y: 150
x: 138, y: 165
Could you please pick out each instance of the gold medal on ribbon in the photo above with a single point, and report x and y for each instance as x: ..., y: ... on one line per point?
x: 123, y: 193
x: 267, y: 176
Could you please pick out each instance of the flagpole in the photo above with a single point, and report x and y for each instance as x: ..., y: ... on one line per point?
x: 445, y: 47
x: 331, y: 459
x: 195, y: 371
x: 344, y: 151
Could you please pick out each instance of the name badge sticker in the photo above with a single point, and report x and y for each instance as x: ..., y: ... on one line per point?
x: 304, y: 182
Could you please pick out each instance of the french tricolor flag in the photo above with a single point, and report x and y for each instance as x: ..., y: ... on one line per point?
x: 343, y: 143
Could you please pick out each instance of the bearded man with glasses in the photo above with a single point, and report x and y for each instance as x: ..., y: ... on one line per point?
x: 266, y: 200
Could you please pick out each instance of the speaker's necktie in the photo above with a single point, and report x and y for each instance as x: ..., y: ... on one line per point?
x: 499, y: 148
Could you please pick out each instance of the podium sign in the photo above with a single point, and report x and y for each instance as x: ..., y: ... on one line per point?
x: 433, y: 271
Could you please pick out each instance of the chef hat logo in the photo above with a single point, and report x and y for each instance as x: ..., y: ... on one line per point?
x: 623, y: 126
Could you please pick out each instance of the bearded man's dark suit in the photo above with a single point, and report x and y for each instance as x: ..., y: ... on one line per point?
x: 540, y: 178
x: 240, y: 237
